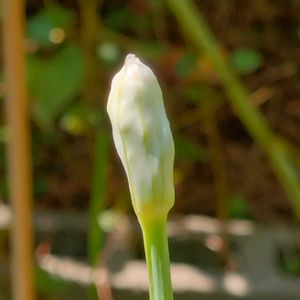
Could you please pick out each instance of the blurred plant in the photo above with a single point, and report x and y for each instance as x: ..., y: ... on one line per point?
x: 54, y: 83
x: 188, y: 149
x: 49, y: 26
x: 50, y: 284
x: 275, y: 147
x: 92, y: 92
x: 246, y: 60
x: 144, y: 142
x: 55, y: 65
x: 186, y: 63
x: 238, y: 208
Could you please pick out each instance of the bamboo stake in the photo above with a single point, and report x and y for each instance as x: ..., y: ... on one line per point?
x: 19, y: 164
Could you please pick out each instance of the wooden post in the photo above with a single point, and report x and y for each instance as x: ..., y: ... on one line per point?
x: 19, y: 154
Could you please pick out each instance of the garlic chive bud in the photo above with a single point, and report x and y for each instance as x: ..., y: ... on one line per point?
x: 142, y: 137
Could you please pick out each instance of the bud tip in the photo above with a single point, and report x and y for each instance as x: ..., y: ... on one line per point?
x: 131, y: 59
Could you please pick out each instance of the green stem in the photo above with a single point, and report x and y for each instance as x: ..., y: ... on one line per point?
x: 195, y: 27
x: 99, y: 179
x: 157, y: 257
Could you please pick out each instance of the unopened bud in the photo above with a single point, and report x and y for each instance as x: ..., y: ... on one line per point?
x: 142, y: 137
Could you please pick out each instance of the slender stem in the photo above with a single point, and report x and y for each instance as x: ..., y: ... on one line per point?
x: 90, y: 32
x: 19, y: 154
x: 219, y: 170
x: 196, y: 28
x: 97, y: 137
x: 157, y: 257
x: 98, y: 191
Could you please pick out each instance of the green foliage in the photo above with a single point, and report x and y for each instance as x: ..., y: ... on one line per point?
x: 80, y: 117
x: 238, y: 207
x: 74, y: 120
x: 186, y: 64
x: 203, y: 95
x: 47, y: 283
x: 52, y: 16
x: 54, y: 83
x: 277, y: 151
x: 119, y: 17
x: 246, y: 60
x: 292, y: 265
x: 187, y: 149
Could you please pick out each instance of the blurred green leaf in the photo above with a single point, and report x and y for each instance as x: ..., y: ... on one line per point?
x: 238, y: 207
x: 120, y: 18
x: 203, y: 94
x: 186, y: 64
x: 293, y: 265
x: 52, y: 16
x: 80, y: 117
x: 75, y: 120
x: 246, y: 60
x: 50, y: 284
x: 187, y: 149
x: 150, y: 50
x: 54, y: 83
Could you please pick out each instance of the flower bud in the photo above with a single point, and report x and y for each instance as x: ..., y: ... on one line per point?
x: 142, y: 137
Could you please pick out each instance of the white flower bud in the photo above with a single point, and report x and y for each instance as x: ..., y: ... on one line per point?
x: 142, y: 137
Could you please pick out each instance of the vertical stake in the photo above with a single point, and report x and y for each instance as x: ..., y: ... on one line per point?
x: 19, y: 154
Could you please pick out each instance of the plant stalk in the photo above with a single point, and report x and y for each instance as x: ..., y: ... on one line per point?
x: 157, y: 257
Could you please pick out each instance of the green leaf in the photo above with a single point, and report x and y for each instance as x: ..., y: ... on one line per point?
x: 246, y: 60
x: 52, y: 16
x: 54, y: 83
x: 238, y: 207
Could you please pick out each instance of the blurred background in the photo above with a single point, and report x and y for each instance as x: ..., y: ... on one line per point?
x: 233, y: 101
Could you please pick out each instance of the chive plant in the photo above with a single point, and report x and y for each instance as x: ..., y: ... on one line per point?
x: 144, y: 143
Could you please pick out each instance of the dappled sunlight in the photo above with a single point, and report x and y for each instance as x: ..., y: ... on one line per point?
x: 236, y: 284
